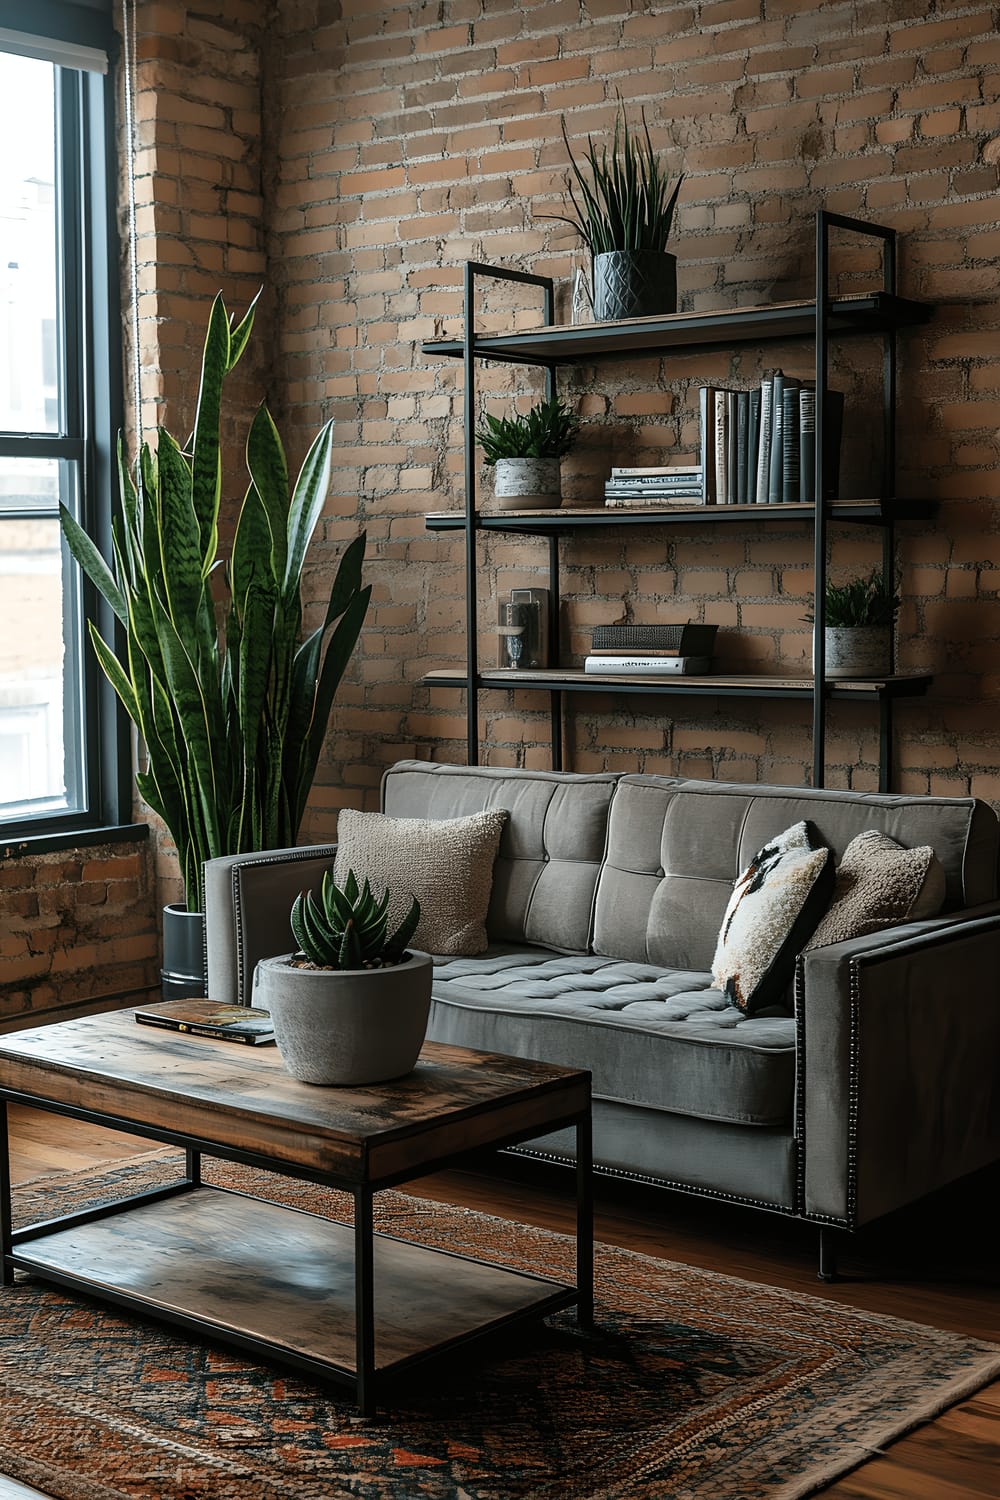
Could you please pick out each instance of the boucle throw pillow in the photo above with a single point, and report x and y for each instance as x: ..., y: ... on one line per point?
x: 447, y: 863
x: 879, y: 883
x: 776, y: 903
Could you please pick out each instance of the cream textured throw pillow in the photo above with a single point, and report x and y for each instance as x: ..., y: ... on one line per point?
x: 447, y: 863
x: 775, y: 905
x: 880, y: 883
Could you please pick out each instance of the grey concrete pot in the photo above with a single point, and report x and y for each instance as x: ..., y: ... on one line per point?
x: 346, y: 1027
x: 856, y: 651
x: 527, y: 483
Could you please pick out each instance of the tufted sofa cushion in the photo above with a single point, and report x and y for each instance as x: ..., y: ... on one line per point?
x: 659, y: 1038
x: 550, y: 853
x: 675, y: 848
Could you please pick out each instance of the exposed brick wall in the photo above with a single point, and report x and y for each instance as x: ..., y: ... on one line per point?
x: 351, y: 157
x: 75, y: 926
x: 408, y: 138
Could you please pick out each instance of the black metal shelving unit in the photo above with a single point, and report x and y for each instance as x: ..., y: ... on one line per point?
x: 549, y: 346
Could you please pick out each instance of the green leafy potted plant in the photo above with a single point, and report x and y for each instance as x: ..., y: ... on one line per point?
x: 858, y: 620
x: 231, y: 705
x: 623, y: 207
x: 524, y: 452
x: 350, y: 1007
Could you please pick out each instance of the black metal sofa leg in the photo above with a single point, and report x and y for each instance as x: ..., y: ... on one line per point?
x: 827, y: 1255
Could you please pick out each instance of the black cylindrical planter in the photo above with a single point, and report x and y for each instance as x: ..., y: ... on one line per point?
x: 634, y: 284
x: 183, y: 974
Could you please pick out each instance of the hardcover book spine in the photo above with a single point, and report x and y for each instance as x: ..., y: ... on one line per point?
x: 706, y: 423
x: 722, y: 495
x: 764, y: 446
x: 753, y: 438
x: 790, y: 448
x: 777, y: 415
x: 807, y: 444
x: 651, y: 666
x: 742, y: 420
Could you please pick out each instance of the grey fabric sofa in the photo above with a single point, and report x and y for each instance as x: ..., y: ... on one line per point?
x: 879, y: 1084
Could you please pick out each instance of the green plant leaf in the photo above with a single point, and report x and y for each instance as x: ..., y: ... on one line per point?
x: 269, y: 471
x: 92, y: 563
x: 206, y: 469
x: 308, y: 499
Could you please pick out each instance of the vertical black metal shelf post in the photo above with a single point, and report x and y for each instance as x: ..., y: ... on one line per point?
x: 824, y: 223
x: 473, y: 271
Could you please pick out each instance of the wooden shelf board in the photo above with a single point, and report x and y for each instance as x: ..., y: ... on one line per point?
x: 723, y: 685
x: 556, y: 344
x: 581, y: 518
x: 246, y: 1268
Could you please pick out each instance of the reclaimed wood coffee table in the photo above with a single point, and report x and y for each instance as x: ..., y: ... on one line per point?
x: 333, y: 1301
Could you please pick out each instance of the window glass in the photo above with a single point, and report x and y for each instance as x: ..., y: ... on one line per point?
x: 59, y: 409
x: 30, y: 398
x: 41, y: 757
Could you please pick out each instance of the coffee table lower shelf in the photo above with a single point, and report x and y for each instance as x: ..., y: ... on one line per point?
x: 280, y: 1282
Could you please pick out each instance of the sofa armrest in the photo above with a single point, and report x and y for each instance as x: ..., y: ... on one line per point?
x: 248, y: 898
x: 898, y: 1036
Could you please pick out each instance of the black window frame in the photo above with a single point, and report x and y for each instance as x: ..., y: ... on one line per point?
x: 94, y: 406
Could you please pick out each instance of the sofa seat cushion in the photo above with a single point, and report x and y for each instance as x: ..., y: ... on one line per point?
x: 657, y: 1037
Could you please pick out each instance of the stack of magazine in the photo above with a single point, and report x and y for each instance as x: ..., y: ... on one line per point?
x: 651, y: 650
x: 677, y: 484
x: 759, y: 446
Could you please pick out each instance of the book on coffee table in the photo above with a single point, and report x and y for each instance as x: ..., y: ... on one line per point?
x: 231, y: 1023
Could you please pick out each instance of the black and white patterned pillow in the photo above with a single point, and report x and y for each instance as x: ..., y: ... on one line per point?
x: 775, y: 907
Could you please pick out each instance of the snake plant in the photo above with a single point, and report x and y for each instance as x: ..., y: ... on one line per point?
x: 231, y: 705
x: 345, y: 928
x: 625, y: 199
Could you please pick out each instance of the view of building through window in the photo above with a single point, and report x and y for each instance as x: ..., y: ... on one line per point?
x: 37, y: 773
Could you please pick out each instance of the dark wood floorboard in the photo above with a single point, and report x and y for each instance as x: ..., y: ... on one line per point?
x: 935, y: 1263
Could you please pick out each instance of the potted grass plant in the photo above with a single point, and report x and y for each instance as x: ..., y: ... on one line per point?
x: 524, y: 452
x: 350, y: 1006
x: 230, y: 702
x: 857, y: 626
x: 623, y: 204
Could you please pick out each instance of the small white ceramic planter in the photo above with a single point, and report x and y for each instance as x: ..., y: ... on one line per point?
x: 346, y: 1027
x: 856, y: 651
x: 527, y: 483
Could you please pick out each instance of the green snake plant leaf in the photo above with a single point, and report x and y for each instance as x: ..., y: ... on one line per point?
x: 114, y: 673
x: 269, y: 472
x: 338, y: 654
x: 209, y: 666
x: 206, y: 466
x: 92, y: 563
x: 308, y: 499
x: 180, y: 557
x: 240, y: 335
x: 396, y: 944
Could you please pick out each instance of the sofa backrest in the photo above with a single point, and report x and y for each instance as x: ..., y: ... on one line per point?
x: 551, y: 850
x: 675, y: 847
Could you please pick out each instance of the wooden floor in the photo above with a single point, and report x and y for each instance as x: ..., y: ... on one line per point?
x: 935, y: 1264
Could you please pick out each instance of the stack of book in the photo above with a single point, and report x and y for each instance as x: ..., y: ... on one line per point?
x: 651, y: 650
x: 759, y: 446
x: 678, y: 484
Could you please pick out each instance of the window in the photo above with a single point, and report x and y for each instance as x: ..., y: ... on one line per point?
x: 60, y: 737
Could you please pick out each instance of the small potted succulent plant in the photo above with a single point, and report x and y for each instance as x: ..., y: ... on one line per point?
x: 858, y: 620
x: 524, y: 452
x: 350, y: 1006
x: 623, y: 205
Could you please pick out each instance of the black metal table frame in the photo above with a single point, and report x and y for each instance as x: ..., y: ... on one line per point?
x: 366, y: 1380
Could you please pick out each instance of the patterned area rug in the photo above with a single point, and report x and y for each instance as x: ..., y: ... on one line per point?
x: 695, y: 1386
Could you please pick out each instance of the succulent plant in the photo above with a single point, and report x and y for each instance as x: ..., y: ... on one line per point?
x: 861, y: 602
x: 345, y: 928
x: 548, y: 430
